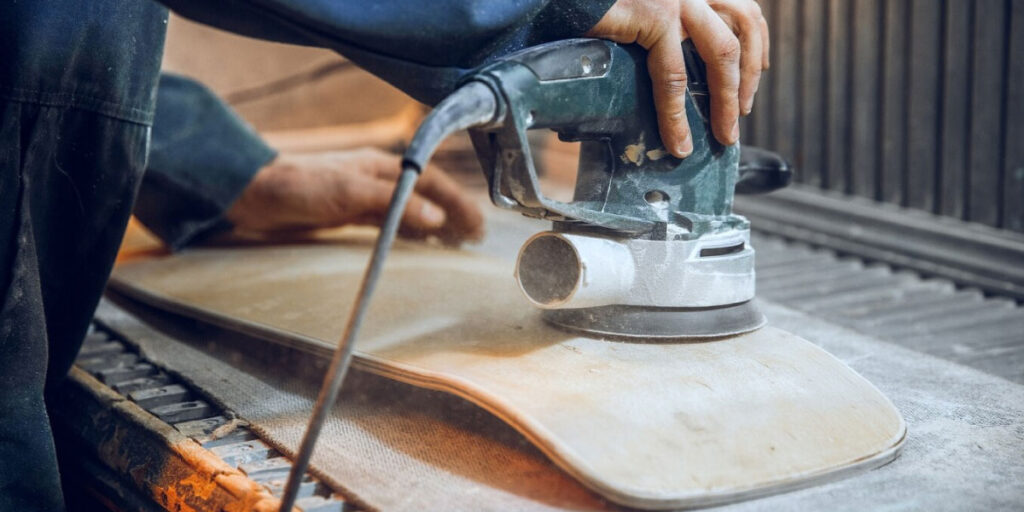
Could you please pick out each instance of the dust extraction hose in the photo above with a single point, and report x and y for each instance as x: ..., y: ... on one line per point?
x: 473, y: 104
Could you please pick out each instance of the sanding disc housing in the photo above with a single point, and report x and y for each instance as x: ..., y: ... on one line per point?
x: 660, y: 324
x: 642, y: 289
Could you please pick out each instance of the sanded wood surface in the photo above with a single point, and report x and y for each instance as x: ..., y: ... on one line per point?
x: 654, y: 425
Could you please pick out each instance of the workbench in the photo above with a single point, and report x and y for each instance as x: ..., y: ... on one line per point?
x: 951, y: 359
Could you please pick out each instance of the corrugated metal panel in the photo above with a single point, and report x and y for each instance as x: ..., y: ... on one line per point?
x: 912, y: 102
x: 927, y: 315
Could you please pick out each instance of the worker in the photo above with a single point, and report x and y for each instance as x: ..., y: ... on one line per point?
x: 78, y: 98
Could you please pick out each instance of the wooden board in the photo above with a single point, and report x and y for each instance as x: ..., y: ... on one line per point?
x: 652, y: 425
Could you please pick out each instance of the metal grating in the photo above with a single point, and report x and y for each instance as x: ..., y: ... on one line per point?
x: 116, y: 364
x: 926, y: 315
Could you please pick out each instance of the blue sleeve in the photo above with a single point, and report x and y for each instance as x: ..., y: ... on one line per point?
x: 422, y: 47
x: 202, y: 155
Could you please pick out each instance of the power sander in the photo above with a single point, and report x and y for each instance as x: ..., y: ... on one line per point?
x: 648, y: 248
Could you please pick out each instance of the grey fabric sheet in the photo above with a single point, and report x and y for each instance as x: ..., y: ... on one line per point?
x: 389, y: 445
x: 400, y: 448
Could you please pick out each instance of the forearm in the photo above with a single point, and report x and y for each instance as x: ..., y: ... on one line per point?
x: 423, y: 48
x: 202, y: 156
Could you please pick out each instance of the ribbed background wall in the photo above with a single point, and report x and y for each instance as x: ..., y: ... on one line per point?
x: 913, y: 102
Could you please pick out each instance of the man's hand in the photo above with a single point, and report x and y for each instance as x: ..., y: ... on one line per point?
x: 730, y: 35
x: 321, y: 190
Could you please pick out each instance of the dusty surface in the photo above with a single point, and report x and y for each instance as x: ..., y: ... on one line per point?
x: 964, y: 450
x: 645, y: 424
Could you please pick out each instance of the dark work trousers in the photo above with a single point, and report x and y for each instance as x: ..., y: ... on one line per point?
x: 77, y: 87
x: 63, y: 210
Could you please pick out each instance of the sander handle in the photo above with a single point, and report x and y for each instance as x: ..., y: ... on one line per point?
x: 762, y: 171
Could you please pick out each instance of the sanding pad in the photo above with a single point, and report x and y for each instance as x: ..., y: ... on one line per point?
x: 660, y: 324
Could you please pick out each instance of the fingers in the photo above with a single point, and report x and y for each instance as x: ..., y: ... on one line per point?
x: 464, y: 218
x: 721, y: 51
x: 668, y: 77
x: 735, y: 52
x: 744, y: 18
x: 766, y: 37
x: 371, y: 203
x: 299, y: 192
x: 750, y: 69
x: 423, y: 216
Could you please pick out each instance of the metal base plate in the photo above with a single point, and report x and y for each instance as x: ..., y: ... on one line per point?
x: 660, y: 324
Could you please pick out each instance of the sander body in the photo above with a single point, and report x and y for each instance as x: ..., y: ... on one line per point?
x: 649, y: 246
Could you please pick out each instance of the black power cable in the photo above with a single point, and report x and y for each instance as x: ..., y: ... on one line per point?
x: 472, y: 105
